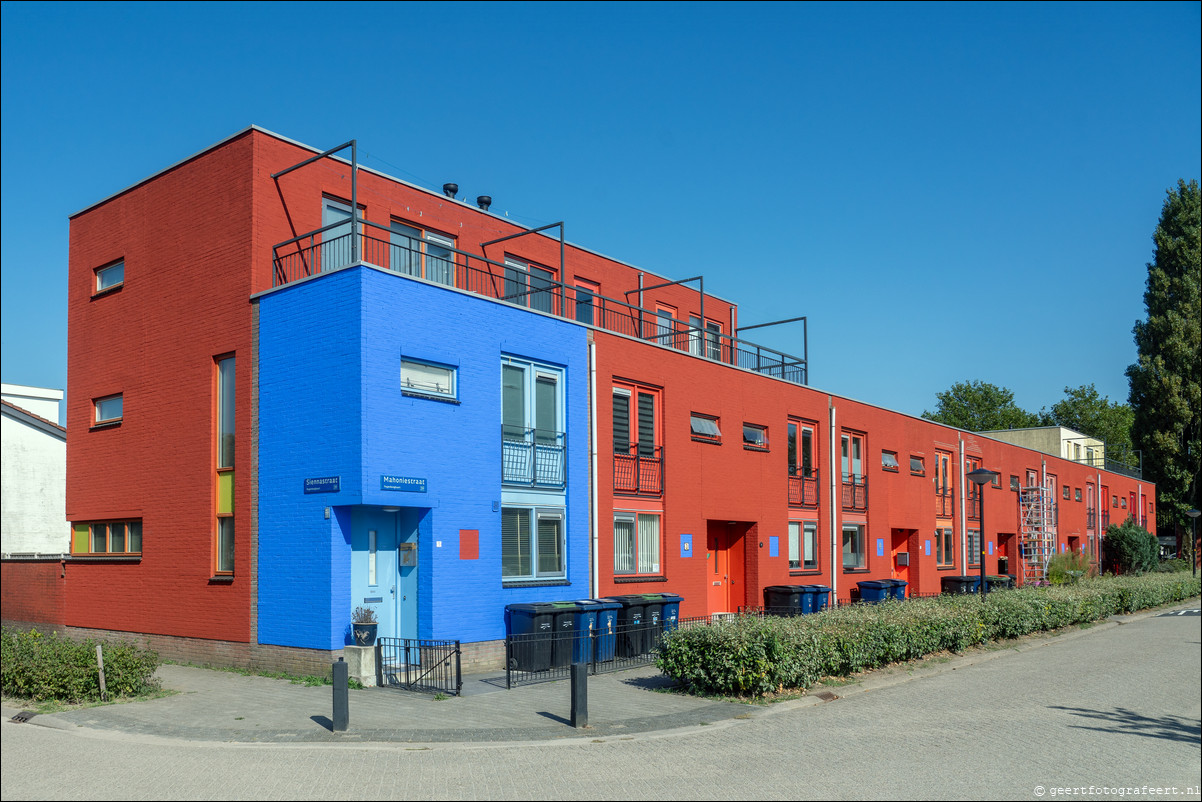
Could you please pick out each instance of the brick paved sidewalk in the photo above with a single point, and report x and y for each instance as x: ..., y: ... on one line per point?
x: 223, y: 706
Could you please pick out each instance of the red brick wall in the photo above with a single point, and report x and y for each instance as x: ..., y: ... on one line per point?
x: 33, y: 593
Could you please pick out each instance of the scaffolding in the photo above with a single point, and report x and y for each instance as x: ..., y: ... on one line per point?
x: 1037, y: 532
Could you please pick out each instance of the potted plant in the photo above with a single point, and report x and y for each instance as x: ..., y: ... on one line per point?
x: 363, y: 626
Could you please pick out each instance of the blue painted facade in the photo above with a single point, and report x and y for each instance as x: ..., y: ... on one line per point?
x: 414, y: 471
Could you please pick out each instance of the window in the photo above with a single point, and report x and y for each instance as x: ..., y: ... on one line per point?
x: 532, y: 447
x: 423, y: 254
x: 945, y: 553
x: 755, y: 437
x: 109, y: 410
x: 889, y: 461
x: 527, y: 284
x: 1123, y: 503
x: 1114, y: 501
x: 638, y: 467
x: 1066, y: 492
x: 705, y: 428
x: 427, y: 379
x: 974, y: 547
x: 712, y: 335
x: 1014, y: 483
x: 918, y: 465
x: 111, y: 276
x: 636, y: 543
x: 854, y: 555
x: 803, y: 545
x: 223, y: 549
x: 586, y: 300
x: 108, y: 537
x: 995, y: 480
x: 1077, y: 493
x: 801, y: 449
x: 852, y: 462
x: 668, y: 330
x: 532, y: 544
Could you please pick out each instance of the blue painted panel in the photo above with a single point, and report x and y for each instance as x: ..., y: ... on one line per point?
x: 686, y: 545
x: 928, y: 545
x: 880, y: 547
x: 773, y: 546
x: 990, y: 544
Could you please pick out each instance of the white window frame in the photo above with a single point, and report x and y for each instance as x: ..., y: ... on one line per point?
x: 103, y: 273
x: 858, y: 556
x: 105, y: 403
x: 535, y: 516
x: 410, y: 384
x: 641, y: 557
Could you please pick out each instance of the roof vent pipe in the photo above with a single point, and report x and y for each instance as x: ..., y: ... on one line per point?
x: 450, y: 189
x: 484, y: 201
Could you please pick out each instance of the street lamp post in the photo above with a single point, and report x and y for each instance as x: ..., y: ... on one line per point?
x: 982, y: 477
x: 1193, y: 540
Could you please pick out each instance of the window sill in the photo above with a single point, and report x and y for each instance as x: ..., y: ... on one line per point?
x: 754, y: 448
x: 444, y: 399
x: 890, y: 470
x: 709, y: 440
x: 626, y: 580
x: 221, y: 579
x: 109, y: 424
x: 107, y: 558
x: 912, y: 473
x: 945, y: 568
x: 805, y: 572
x: 532, y: 583
x: 856, y: 570
x: 107, y: 291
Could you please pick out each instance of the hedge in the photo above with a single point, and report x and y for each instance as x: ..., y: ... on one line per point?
x: 40, y: 667
x: 749, y: 655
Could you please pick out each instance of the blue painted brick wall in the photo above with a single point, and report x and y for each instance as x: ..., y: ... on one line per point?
x: 330, y: 405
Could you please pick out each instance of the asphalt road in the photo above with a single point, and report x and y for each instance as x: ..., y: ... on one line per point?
x: 1115, y: 707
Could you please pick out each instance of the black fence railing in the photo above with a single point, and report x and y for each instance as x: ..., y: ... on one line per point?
x: 803, y: 490
x: 419, y: 664
x: 855, y: 493
x: 333, y: 247
x: 1105, y: 518
x: 547, y: 656
x: 532, y: 457
x: 639, y: 471
x: 1091, y: 519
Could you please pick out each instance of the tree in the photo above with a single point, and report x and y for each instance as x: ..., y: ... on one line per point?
x: 980, y: 406
x: 1084, y: 410
x: 1166, y: 381
x: 1129, y: 548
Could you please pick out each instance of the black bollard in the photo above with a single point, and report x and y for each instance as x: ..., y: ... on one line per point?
x: 342, y: 713
x: 579, y: 695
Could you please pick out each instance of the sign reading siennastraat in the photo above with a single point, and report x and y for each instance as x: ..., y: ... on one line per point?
x: 323, y: 484
x: 408, y: 484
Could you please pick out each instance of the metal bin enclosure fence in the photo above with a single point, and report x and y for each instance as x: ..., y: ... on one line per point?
x: 419, y: 664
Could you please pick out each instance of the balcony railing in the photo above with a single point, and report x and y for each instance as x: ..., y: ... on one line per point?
x: 1105, y: 518
x: 945, y: 503
x: 639, y: 471
x: 327, y: 249
x: 803, y: 490
x: 1091, y: 519
x: 532, y: 457
x: 972, y: 509
x: 855, y: 493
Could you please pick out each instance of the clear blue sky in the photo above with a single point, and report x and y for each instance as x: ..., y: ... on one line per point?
x: 949, y: 192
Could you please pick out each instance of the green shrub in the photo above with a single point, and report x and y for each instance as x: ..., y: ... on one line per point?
x: 1067, y: 566
x: 752, y: 656
x: 1128, y: 548
x: 1172, y: 566
x: 39, y: 667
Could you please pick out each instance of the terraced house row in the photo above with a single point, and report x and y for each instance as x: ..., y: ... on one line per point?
x: 298, y: 386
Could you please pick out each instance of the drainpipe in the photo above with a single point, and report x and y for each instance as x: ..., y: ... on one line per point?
x: 960, y: 498
x: 594, y: 514
x: 835, y: 505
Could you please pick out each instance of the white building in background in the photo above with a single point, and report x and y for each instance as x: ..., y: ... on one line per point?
x: 34, y: 472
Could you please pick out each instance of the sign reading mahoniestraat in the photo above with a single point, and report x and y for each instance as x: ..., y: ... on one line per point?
x: 409, y: 484
x: 323, y: 484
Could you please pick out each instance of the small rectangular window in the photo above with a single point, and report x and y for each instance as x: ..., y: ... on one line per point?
x: 1014, y: 483
x: 705, y: 428
x: 225, y: 545
x: 755, y: 437
x: 995, y: 480
x: 111, y: 276
x: 917, y: 466
x: 1077, y: 493
x: 109, y: 410
x: 1066, y: 491
x: 425, y: 378
x: 110, y: 537
x: 889, y: 461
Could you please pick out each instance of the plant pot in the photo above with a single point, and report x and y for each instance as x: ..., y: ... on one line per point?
x: 364, y: 634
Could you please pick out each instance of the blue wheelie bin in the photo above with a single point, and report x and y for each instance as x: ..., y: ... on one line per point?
x: 671, y: 610
x: 875, y: 590
x: 594, y: 636
x: 563, y: 643
x: 531, y: 627
x: 819, y: 597
x: 630, y: 625
x: 898, y: 591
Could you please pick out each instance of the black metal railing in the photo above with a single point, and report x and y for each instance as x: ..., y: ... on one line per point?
x: 532, y: 457
x: 803, y: 490
x: 945, y: 503
x: 419, y: 664
x: 1091, y: 519
x: 638, y: 472
x: 332, y: 247
x: 1105, y: 518
x: 546, y: 656
x: 855, y: 493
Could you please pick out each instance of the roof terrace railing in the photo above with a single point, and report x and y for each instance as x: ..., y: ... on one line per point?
x: 330, y: 248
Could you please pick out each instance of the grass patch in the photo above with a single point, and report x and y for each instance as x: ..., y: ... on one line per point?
x: 308, y: 680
